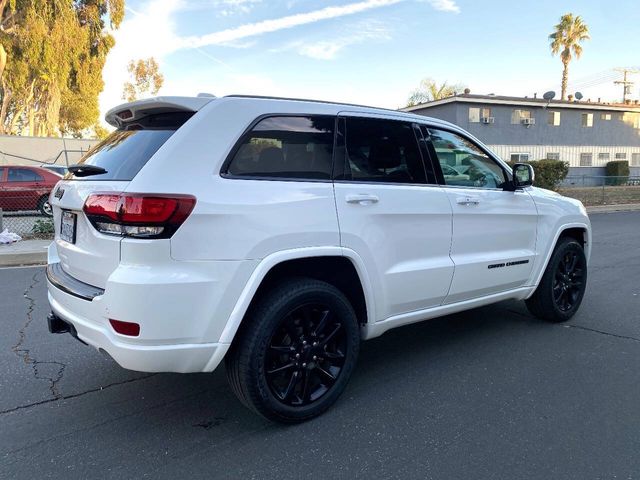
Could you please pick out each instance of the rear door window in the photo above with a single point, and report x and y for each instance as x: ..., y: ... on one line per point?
x: 288, y: 147
x: 23, y: 175
x: 123, y: 153
x: 383, y: 151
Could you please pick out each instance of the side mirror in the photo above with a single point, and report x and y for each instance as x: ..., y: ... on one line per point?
x: 523, y: 175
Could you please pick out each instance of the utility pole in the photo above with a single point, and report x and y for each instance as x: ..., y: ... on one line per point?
x: 626, y: 84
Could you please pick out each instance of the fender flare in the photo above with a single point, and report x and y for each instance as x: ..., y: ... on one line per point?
x: 265, y: 266
x: 559, y: 231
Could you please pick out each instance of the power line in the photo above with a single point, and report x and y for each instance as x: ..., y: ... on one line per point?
x: 626, y: 84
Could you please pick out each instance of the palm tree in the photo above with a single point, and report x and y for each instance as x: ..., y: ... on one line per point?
x: 429, y: 90
x: 566, y: 39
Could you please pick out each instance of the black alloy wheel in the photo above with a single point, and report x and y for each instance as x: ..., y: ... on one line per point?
x: 306, y: 355
x: 569, y: 281
x: 561, y: 289
x: 295, y: 350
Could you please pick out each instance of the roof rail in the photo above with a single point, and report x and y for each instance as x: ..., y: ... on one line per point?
x: 267, y: 97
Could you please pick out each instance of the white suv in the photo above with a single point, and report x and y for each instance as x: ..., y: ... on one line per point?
x: 276, y: 234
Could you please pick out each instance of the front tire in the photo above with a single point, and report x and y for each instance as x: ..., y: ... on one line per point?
x: 295, y: 351
x: 563, y: 284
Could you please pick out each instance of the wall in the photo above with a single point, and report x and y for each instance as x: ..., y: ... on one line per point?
x: 568, y: 153
x: 35, y: 150
x: 614, y: 132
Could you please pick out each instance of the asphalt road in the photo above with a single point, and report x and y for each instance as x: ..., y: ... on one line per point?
x: 491, y: 393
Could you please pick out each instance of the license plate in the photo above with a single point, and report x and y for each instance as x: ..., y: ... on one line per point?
x: 68, y: 227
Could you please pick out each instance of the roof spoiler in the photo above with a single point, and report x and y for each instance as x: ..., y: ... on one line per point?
x: 128, y: 112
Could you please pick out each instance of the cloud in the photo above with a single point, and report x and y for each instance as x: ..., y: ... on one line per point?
x: 151, y: 30
x: 445, y: 5
x: 233, y: 7
x: 290, y: 21
x: 328, y: 49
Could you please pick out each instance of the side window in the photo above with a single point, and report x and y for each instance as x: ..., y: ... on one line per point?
x: 286, y: 147
x: 1, y: 174
x: 384, y: 151
x: 23, y: 175
x: 463, y: 163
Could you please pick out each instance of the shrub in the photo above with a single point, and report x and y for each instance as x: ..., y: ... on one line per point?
x: 618, y: 169
x: 548, y: 173
x: 42, y: 226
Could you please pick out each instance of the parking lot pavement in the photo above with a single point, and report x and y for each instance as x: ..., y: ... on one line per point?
x: 490, y: 393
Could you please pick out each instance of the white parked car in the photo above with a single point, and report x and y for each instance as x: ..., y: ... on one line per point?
x: 277, y: 234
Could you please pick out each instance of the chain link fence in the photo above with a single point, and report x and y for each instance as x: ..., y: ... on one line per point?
x: 26, y: 212
x: 602, y: 190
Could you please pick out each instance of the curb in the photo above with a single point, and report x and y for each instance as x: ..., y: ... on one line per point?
x: 23, y: 259
x: 631, y: 207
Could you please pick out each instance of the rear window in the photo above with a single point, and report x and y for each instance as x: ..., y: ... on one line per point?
x: 298, y: 147
x: 23, y: 175
x: 123, y: 153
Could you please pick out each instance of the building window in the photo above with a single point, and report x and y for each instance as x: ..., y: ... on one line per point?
x: 587, y: 119
x: 621, y: 156
x: 586, y: 159
x: 603, y: 156
x: 554, y: 118
x: 635, y: 159
x: 520, y: 157
x: 632, y: 118
x: 605, y: 116
x: 519, y: 115
x: 477, y: 114
x: 553, y: 156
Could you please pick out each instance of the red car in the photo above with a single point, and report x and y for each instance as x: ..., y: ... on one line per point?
x: 26, y: 188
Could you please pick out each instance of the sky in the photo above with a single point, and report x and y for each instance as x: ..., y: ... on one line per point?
x: 371, y: 52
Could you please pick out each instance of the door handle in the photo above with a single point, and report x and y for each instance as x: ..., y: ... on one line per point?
x: 361, y: 198
x: 467, y: 201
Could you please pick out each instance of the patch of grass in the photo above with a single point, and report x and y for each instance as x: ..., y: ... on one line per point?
x: 604, y: 195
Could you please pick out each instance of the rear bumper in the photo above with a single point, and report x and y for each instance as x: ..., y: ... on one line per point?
x: 182, y: 308
x: 181, y: 358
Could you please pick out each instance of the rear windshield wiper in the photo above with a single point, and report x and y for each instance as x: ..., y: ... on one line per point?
x: 84, y: 170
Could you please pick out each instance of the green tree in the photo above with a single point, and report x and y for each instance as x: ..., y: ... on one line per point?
x: 429, y: 90
x: 100, y: 132
x: 565, y: 40
x: 51, y: 59
x: 146, y: 79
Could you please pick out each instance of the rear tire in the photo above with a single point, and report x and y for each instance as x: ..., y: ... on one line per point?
x: 44, y: 206
x: 563, y: 284
x: 295, y: 351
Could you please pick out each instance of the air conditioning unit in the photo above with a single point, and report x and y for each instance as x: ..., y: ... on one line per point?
x: 528, y: 121
x: 487, y: 119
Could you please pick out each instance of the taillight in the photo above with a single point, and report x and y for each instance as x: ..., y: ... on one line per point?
x: 138, y: 215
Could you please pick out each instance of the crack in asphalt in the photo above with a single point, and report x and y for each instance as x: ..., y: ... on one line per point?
x: 602, y: 332
x: 105, y: 422
x: 580, y: 327
x: 38, y: 366
x: 75, y: 395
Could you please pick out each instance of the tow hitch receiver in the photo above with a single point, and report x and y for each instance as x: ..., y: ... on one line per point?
x: 57, y: 325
